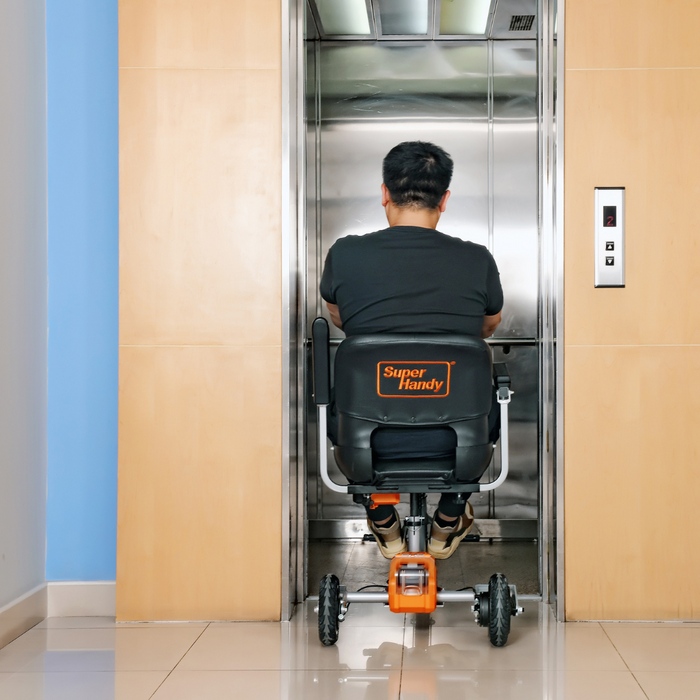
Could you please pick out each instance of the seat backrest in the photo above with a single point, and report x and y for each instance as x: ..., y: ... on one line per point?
x: 413, y: 380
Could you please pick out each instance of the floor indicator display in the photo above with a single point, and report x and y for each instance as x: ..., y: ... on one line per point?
x: 610, y: 237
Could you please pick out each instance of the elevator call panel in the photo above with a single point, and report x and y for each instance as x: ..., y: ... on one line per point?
x: 609, y: 236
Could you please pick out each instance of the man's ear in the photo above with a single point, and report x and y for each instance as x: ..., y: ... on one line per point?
x: 443, y: 201
x: 386, y: 198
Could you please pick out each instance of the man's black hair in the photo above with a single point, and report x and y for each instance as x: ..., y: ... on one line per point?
x: 417, y: 174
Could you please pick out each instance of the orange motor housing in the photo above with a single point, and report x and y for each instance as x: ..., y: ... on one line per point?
x: 413, y: 583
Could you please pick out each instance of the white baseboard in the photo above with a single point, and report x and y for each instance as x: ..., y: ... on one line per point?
x: 82, y: 598
x: 22, y: 614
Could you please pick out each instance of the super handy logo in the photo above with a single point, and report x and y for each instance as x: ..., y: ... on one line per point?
x: 420, y: 379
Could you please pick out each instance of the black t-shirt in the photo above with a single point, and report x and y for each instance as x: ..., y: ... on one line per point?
x: 408, y: 279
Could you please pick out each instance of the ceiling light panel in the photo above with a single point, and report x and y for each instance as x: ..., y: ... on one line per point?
x: 464, y: 16
x: 344, y: 17
x: 404, y: 17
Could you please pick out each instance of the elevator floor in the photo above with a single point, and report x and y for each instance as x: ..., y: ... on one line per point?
x: 358, y: 563
x: 379, y: 656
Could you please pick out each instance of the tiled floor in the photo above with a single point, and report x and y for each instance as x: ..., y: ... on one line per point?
x: 379, y: 656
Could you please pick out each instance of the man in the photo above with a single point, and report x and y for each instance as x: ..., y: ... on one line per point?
x: 410, y: 278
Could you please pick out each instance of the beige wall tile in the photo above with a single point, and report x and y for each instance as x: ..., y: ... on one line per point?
x: 199, y: 459
x: 632, y: 33
x: 636, y: 129
x: 200, y: 207
x: 632, y: 483
x: 200, y: 33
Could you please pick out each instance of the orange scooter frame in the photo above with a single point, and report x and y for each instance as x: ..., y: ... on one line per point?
x: 413, y: 599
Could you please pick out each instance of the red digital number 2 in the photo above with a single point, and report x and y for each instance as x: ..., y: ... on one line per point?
x: 610, y: 221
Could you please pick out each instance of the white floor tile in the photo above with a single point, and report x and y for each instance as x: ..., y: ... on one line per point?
x: 657, y: 648
x: 529, y: 648
x: 471, y: 685
x: 357, y: 648
x: 13, y: 660
x: 278, y: 685
x: 597, y: 685
x: 662, y: 685
x: 523, y: 685
x: 379, y: 655
x: 345, y: 685
x: 654, y: 625
x: 221, y: 685
x: 76, y: 623
x: 259, y: 646
x: 241, y: 646
x: 108, y: 623
x: 93, y: 650
x: 127, y: 685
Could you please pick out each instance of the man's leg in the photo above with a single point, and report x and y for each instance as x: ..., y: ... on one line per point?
x: 383, y: 521
x: 454, y: 516
x: 452, y: 522
x: 381, y: 515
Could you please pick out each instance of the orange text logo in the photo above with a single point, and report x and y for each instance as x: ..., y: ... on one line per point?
x: 422, y: 379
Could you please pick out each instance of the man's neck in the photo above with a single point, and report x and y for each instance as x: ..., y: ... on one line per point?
x: 410, y: 216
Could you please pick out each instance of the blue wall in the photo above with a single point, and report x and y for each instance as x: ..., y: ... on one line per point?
x: 83, y: 195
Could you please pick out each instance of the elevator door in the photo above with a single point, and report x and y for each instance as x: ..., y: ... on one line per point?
x: 477, y: 100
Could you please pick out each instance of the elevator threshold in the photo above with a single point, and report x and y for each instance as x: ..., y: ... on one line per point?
x: 357, y: 563
x: 491, y: 529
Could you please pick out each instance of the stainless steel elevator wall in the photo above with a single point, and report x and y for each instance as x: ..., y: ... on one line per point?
x: 478, y: 101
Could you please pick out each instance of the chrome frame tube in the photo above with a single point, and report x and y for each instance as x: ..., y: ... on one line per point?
x: 550, y: 300
x: 366, y: 597
x: 293, y: 300
x: 290, y: 26
x: 338, y: 488
x: 491, y: 342
x: 415, y: 533
x: 505, y: 463
x: 383, y: 597
x: 323, y: 452
x: 298, y: 524
x: 559, y: 553
x: 456, y: 597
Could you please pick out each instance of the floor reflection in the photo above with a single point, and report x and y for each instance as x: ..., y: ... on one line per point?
x: 379, y: 655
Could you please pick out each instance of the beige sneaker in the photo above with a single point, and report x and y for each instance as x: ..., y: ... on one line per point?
x: 390, y: 539
x: 444, y: 540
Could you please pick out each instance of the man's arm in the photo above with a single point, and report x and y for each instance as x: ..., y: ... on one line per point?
x: 335, y: 315
x: 489, y: 327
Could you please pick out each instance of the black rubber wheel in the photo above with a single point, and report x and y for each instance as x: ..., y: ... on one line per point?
x: 328, y: 609
x: 500, y: 610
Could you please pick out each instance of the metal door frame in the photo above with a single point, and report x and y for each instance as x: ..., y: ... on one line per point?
x: 551, y: 174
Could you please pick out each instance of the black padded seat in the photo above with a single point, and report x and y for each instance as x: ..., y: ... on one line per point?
x: 423, y: 469
x: 412, y: 381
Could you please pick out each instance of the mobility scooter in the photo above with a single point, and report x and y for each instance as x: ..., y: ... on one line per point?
x: 399, y: 381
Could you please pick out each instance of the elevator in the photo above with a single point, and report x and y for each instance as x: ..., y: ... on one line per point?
x: 471, y: 81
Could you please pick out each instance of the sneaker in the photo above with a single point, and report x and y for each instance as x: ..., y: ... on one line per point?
x: 390, y: 539
x: 444, y: 540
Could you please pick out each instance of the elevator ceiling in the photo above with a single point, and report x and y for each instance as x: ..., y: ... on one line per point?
x: 445, y: 20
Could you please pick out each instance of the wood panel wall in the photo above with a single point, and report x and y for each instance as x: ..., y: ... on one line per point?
x: 632, y: 355
x: 200, y: 302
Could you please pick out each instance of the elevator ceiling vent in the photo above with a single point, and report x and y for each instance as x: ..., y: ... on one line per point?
x: 521, y: 23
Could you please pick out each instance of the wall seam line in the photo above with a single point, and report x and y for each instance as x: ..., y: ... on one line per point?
x: 271, y: 70
x: 636, y: 345
x: 635, y: 69
x: 163, y: 345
